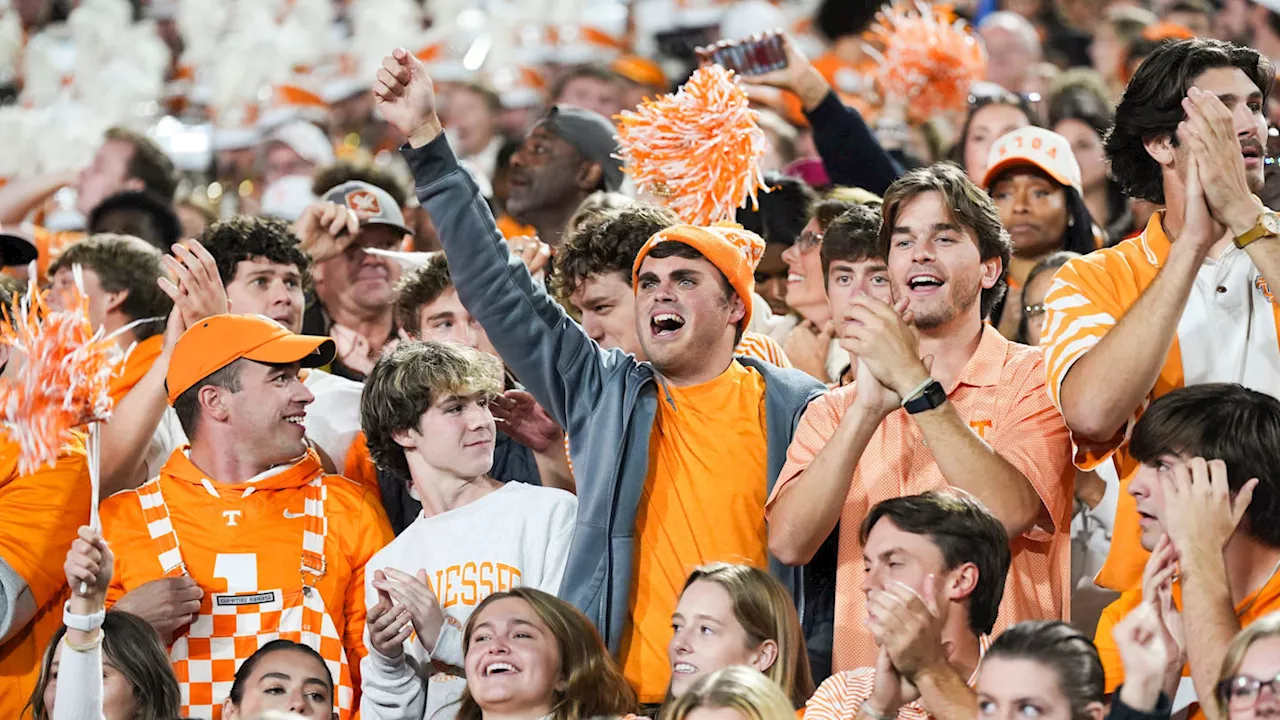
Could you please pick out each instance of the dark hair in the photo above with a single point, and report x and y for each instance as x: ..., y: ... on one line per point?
x: 236, y: 694
x: 970, y: 208
x: 138, y: 213
x: 965, y: 532
x: 1069, y: 653
x: 148, y: 162
x: 607, y: 242
x: 346, y: 171
x: 827, y: 210
x: 852, y: 237
x: 1046, y: 263
x: 976, y: 104
x: 672, y: 248
x: 1151, y: 106
x: 243, y: 237
x: 124, y: 263
x: 418, y: 288
x: 1227, y: 422
x: 840, y: 18
x: 593, y: 684
x: 783, y: 211
x: 594, y: 71
x: 187, y: 405
x: 134, y: 649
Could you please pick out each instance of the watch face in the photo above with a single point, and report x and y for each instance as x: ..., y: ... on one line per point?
x: 1271, y: 221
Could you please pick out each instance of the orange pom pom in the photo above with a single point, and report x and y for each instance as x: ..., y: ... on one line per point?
x: 929, y: 58
x: 700, y: 147
x: 65, y: 378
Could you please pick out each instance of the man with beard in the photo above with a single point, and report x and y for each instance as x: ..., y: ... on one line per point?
x: 565, y: 157
x: 1188, y: 301
x: 948, y: 402
x: 674, y: 456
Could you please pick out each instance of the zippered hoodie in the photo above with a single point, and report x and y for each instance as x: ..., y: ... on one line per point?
x: 604, y: 399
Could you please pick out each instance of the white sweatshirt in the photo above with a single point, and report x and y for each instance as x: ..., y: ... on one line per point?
x: 517, y: 535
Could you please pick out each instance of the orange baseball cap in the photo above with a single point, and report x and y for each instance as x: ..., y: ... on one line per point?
x: 217, y: 341
x: 1038, y: 147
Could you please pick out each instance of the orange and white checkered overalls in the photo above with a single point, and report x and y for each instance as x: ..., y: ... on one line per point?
x: 232, y: 626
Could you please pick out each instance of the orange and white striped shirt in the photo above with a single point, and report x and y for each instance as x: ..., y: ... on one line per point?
x: 840, y: 696
x: 1000, y: 394
x: 1227, y: 333
x: 762, y: 347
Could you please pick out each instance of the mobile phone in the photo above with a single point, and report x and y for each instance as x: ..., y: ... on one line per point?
x: 756, y: 55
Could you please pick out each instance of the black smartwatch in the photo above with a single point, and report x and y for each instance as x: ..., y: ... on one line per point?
x: 926, y: 398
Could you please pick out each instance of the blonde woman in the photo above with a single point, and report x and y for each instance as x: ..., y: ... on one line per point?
x: 1252, y: 664
x: 733, y: 693
x: 737, y: 615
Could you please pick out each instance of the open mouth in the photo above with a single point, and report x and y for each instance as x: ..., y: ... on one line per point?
x: 794, y: 278
x: 500, y: 668
x: 665, y: 324
x: 295, y: 419
x: 683, y: 669
x: 924, y: 283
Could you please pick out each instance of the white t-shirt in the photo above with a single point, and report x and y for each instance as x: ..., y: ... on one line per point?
x: 517, y: 535
x: 332, y: 421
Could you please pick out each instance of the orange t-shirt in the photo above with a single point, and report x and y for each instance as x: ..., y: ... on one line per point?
x: 140, y: 360
x: 39, y: 516
x: 1000, y: 394
x: 248, y: 537
x: 50, y: 244
x: 703, y: 501
x: 1265, y: 600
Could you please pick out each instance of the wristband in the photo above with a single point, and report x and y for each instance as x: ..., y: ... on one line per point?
x: 83, y: 623
x: 95, y: 642
x: 918, y: 389
x: 873, y: 713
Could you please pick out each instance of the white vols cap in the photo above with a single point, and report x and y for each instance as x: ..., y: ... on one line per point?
x: 1044, y: 149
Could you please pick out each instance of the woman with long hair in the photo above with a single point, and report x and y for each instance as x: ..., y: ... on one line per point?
x: 108, y: 665
x: 1034, y: 179
x: 1078, y: 110
x: 990, y: 116
x: 531, y: 655
x: 738, y: 615
x: 746, y: 694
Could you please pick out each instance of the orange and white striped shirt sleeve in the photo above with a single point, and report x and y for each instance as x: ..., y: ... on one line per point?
x: 840, y: 696
x: 763, y: 347
x: 1084, y: 302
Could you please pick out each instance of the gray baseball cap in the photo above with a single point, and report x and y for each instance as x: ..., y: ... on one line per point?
x: 371, y: 201
x: 593, y: 136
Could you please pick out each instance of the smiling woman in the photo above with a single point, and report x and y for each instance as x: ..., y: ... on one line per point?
x: 531, y: 655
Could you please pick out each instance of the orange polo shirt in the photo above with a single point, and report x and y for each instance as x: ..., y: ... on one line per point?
x: 1088, y: 297
x: 1265, y: 600
x: 40, y: 515
x: 703, y: 501
x: 1001, y: 395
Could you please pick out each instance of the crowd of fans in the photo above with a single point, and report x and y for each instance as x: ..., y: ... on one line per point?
x: 426, y: 411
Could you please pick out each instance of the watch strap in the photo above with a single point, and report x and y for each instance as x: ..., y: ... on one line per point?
x: 928, y: 397
x: 1258, y: 231
x: 83, y: 623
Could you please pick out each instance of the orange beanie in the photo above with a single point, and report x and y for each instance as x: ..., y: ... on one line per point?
x: 734, y: 250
